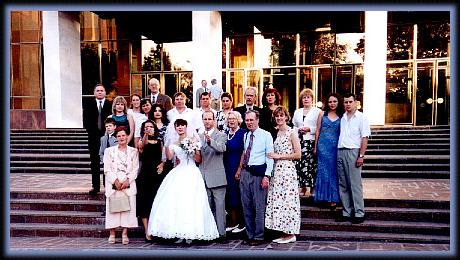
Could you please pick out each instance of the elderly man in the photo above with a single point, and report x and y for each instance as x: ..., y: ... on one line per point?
x: 213, y: 146
x: 354, y: 133
x: 157, y: 97
x: 254, y: 174
x: 250, y: 96
x: 95, y: 111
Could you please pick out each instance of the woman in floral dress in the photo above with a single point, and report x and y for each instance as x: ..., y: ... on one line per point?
x: 283, y: 203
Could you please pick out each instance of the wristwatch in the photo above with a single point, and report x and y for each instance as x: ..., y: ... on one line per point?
x: 361, y: 156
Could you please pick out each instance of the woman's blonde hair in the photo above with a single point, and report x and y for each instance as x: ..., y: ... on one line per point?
x: 282, y: 110
x: 238, y: 116
x: 306, y: 92
x: 119, y: 99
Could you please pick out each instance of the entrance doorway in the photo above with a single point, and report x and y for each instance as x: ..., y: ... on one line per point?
x: 432, y: 93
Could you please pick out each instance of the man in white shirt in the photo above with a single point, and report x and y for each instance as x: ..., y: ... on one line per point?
x: 354, y: 134
x: 216, y: 92
x: 205, y: 105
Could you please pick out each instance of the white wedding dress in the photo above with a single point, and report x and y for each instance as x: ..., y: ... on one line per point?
x: 181, y: 208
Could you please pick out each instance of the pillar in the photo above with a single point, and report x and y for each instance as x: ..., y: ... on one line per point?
x: 62, y: 69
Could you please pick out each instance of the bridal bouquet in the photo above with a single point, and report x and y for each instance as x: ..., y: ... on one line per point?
x: 189, y: 145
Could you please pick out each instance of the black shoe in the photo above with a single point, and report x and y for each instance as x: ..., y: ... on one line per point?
x: 358, y: 220
x: 341, y: 218
x: 93, y: 192
x: 103, y: 214
x: 256, y: 242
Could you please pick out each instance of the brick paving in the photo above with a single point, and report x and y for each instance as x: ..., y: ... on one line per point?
x: 423, y: 189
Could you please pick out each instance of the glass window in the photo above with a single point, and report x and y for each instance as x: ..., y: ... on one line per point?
x: 26, y: 80
x: 237, y: 87
x: 89, y: 67
x: 283, y: 50
x: 284, y: 80
x: 399, y: 42
x: 398, y: 105
x: 89, y: 26
x: 151, y: 56
x: 238, y: 52
x: 177, y: 56
x: 25, y: 26
x: 350, y: 48
x: 317, y: 48
x: 433, y: 40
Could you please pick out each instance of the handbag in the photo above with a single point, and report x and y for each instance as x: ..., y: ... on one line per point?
x: 119, y: 204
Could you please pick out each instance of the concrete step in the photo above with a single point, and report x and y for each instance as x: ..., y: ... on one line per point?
x: 408, y: 158
x: 390, y: 173
x: 383, y: 214
x: 410, y: 140
x: 52, y: 163
x: 408, y: 146
x: 398, y: 227
x: 403, y: 152
x: 308, y: 235
x: 68, y: 146
x: 48, y: 157
x: 57, y: 205
x: 60, y: 196
x: 429, y: 135
x: 394, y: 203
x: 49, y: 130
x: 49, y: 137
x: 58, y: 141
x: 57, y: 217
x: 51, y: 169
x: 26, y: 149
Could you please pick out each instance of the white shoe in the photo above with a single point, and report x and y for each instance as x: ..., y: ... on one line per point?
x: 277, y: 240
x: 188, y: 241
x: 285, y: 241
x: 180, y: 240
x: 238, y: 230
x: 231, y: 228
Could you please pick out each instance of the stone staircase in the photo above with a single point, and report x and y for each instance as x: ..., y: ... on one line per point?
x: 408, y: 152
x: 417, y: 152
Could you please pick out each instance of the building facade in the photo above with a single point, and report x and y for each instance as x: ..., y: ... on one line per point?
x: 397, y: 63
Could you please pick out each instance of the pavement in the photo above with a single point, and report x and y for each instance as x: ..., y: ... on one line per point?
x: 410, y: 189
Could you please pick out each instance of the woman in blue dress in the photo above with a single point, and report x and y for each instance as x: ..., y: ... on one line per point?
x: 122, y: 118
x: 326, y: 141
x: 232, y: 157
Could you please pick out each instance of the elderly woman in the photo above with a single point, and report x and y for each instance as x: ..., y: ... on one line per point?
x: 304, y: 121
x: 227, y: 105
x: 121, y: 164
x: 232, y: 156
x: 283, y: 203
x: 122, y: 118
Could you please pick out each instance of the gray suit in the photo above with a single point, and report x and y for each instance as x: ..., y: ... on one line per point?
x: 213, y: 171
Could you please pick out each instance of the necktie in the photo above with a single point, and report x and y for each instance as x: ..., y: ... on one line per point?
x: 108, y: 143
x: 247, y: 154
x: 99, y: 119
x: 153, y: 99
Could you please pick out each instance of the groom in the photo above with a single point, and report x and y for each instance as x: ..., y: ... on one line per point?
x: 213, y: 146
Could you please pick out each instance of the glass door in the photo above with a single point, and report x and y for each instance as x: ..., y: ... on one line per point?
x: 399, y: 93
x: 442, y: 98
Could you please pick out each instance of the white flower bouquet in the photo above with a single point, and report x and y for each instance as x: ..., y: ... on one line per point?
x: 189, y: 145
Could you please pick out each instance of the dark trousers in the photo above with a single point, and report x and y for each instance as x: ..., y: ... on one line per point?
x: 93, y: 146
x: 253, y: 199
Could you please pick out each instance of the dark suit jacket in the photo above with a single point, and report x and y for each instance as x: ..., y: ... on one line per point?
x: 242, y: 110
x: 90, y: 116
x: 163, y: 100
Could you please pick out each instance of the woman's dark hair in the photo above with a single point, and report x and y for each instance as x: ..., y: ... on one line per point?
x: 340, y: 108
x: 144, y: 101
x: 269, y: 91
x: 156, y: 132
x: 119, y: 129
x: 179, y: 122
x: 164, y: 118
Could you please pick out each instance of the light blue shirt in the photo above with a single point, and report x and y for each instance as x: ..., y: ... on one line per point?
x: 261, y: 146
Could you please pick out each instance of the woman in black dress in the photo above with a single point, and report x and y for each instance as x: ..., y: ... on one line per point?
x: 151, y: 173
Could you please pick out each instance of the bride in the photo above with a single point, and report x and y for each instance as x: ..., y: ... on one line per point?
x: 181, y: 208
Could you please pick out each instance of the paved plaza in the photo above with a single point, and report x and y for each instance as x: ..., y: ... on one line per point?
x: 424, y: 189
